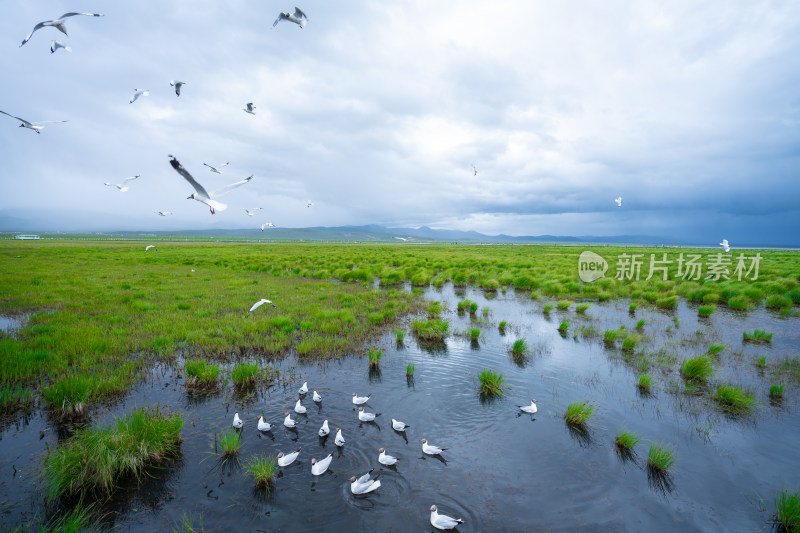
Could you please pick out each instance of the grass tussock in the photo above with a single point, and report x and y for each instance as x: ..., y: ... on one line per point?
x: 95, y: 459
x: 581, y: 308
x: 547, y: 308
x: 734, y: 399
x: 501, y: 327
x: 578, y: 413
x: 660, y: 458
x: 787, y: 510
x: 630, y: 342
x: 626, y: 440
x: 410, y: 370
x: 67, y: 397
x: 400, y: 334
x: 262, y: 468
x: 245, y: 375
x: 644, y: 382
x: 520, y: 347
x: 776, y: 391
x: 200, y: 374
x: 697, y: 369
x: 563, y: 327
x: 491, y: 383
x: 229, y: 443
x: 375, y: 358
x: 706, y: 310
x: 715, y: 349
x: 430, y: 330
x: 758, y: 335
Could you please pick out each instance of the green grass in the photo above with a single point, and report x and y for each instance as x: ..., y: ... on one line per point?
x: 68, y: 396
x: 778, y: 301
x: 632, y: 308
x: 400, y: 334
x: 563, y: 327
x: 186, y: 525
x: 201, y: 374
x: 94, y: 460
x: 434, y: 309
x: 375, y: 357
x: 474, y: 333
x: 410, y: 370
x: 245, y: 375
x: 430, y: 330
x: 758, y: 335
x: 262, y: 468
x: 79, y: 519
x: 630, y: 342
x: 761, y: 362
x: 644, y: 382
x: 660, y: 458
x: 463, y: 305
x: 229, y: 443
x: 610, y: 336
x: 776, y: 391
x: 563, y: 305
x: 502, y: 326
x: 491, y: 383
x: 787, y: 509
x: 581, y: 308
x: 520, y: 347
x: 706, y: 310
x: 547, y: 308
x: 734, y: 399
x: 578, y: 413
x: 697, y: 369
x: 715, y: 349
x: 626, y: 440
x: 790, y: 366
x: 640, y: 324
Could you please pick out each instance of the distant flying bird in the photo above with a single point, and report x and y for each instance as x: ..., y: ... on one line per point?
x: 137, y: 93
x: 260, y: 303
x: 267, y: 225
x: 215, y: 169
x: 442, y: 521
x: 163, y: 213
x: 619, y: 201
x: 250, y: 213
x: 55, y: 45
x: 474, y: 170
x: 35, y: 126
x: 249, y: 108
x: 201, y: 195
x: 298, y: 17
x: 725, y: 245
x: 177, y: 85
x: 150, y: 246
x: 309, y: 203
x: 401, y: 239
x: 57, y: 24
x: 121, y: 186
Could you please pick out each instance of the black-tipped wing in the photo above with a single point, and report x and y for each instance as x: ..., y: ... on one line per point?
x: 227, y: 188
x: 299, y: 13
x: 28, y: 38
x: 73, y: 13
x: 281, y: 16
x: 188, y: 177
x: 20, y: 119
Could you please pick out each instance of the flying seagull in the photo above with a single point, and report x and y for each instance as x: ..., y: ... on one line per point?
x: 121, y: 186
x: 57, y: 24
x: 250, y: 213
x: 35, y: 126
x: 201, y: 195
x: 215, y: 169
x: 249, y: 108
x: 177, y: 85
x: 298, y: 17
x: 260, y: 303
x: 474, y: 170
x: 725, y: 245
x: 267, y: 225
x: 137, y: 93
x: 150, y: 246
x: 619, y: 201
x: 163, y: 213
x: 55, y: 45
x: 309, y: 203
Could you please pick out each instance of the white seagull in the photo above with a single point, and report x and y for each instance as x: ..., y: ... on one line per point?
x: 430, y: 449
x: 137, y: 93
x: 529, y: 408
x: 317, y: 398
x: 215, y: 169
x: 619, y: 201
x: 324, y: 430
x: 261, y: 302
x: 303, y: 388
x: 263, y: 425
x: 363, y: 484
x: 249, y: 108
x: 177, y: 85
x: 386, y: 459
x: 399, y: 426
x: 286, y: 460
x: 201, y: 195
x: 250, y: 213
x: 298, y: 17
x: 237, y: 422
x: 288, y: 422
x: 319, y: 467
x: 725, y: 245
x: 121, y: 186
x: 150, y: 246
x: 57, y: 24
x: 339, y: 440
x: 309, y: 203
x: 442, y: 521
x: 55, y: 45
x: 299, y: 408
x: 267, y: 225
x: 360, y: 400
x: 163, y: 213
x: 365, y: 416
x: 35, y: 126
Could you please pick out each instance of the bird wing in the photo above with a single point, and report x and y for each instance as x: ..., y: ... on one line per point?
x: 281, y: 16
x: 365, y: 478
x: 20, y: 119
x: 188, y: 177
x: 73, y: 13
x: 28, y: 38
x: 227, y: 188
x: 299, y: 14
x: 130, y: 179
x: 257, y: 305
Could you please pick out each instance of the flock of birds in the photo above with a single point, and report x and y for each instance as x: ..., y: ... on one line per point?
x: 359, y: 484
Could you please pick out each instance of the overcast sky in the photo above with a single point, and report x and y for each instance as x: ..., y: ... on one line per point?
x: 376, y: 111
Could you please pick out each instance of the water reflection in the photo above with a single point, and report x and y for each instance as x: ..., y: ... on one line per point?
x: 660, y: 481
x: 581, y: 435
x: 375, y: 376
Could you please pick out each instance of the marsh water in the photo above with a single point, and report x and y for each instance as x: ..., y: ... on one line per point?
x: 503, y: 470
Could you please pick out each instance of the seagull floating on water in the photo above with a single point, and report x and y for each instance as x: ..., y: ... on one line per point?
x: 529, y: 408
x: 215, y: 169
x: 163, y: 213
x: 430, y: 449
x: 263, y: 425
x: 339, y: 440
x: 299, y: 408
x: 267, y: 225
x: 317, y: 398
x: 201, y: 195
x: 250, y: 213
x: 298, y: 17
x: 442, y: 521
x: 55, y: 45
x: 725, y: 245
x: 177, y: 85
x: 121, y: 186
x: 249, y: 108
x: 324, y: 430
x: 150, y: 246
x: 365, y: 416
x: 360, y: 400
x: 619, y: 201
x: 57, y: 24
x: 286, y: 460
x: 137, y: 93
x: 363, y: 484
x: 303, y: 388
x: 237, y: 422
x: 260, y: 303
x: 386, y: 459
x: 319, y: 467
x: 399, y: 426
x: 35, y: 126
x: 288, y: 422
